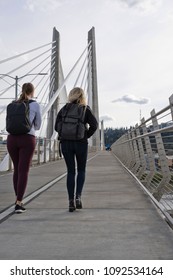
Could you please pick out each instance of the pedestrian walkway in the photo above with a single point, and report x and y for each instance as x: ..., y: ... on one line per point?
x: 118, y: 220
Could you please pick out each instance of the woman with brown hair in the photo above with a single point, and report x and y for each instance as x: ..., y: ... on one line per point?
x: 21, y: 147
x: 76, y: 149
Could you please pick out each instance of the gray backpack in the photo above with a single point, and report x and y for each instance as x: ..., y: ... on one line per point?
x: 71, y: 126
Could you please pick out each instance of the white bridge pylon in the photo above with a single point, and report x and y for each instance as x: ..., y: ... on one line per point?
x: 54, y: 89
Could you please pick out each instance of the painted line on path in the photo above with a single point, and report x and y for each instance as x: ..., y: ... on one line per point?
x: 10, y: 210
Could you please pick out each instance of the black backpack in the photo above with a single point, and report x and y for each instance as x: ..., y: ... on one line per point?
x: 17, y: 118
x: 71, y: 126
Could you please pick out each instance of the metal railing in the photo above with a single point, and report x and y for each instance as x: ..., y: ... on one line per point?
x: 46, y: 150
x: 146, y: 151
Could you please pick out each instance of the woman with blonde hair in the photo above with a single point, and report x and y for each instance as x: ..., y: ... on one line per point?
x: 74, y: 144
x: 21, y: 147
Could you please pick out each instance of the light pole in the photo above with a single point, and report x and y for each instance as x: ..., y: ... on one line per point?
x: 16, y: 87
x: 16, y: 78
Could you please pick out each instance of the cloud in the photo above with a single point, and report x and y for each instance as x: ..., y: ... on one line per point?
x: 106, y: 118
x: 132, y: 99
x: 43, y: 5
x: 142, y: 5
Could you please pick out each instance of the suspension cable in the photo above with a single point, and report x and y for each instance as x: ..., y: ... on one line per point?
x: 85, y: 72
x: 35, y: 67
x: 26, y: 52
x: 44, y: 86
x: 27, y: 63
x: 50, y: 84
x: 54, y: 97
x: 80, y: 72
x: 89, y: 80
x: 5, y: 90
x: 44, y: 119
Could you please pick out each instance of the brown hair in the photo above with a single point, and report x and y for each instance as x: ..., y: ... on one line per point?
x: 77, y: 95
x: 27, y: 89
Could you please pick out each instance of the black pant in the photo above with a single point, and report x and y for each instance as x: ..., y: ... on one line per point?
x: 72, y: 150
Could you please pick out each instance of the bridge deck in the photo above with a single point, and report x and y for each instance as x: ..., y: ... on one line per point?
x: 118, y: 220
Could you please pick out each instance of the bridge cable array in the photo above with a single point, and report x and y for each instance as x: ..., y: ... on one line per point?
x: 44, y: 85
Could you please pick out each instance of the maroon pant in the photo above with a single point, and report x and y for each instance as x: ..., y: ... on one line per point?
x: 21, y: 149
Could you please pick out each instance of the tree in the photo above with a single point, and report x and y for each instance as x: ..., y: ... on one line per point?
x: 112, y: 134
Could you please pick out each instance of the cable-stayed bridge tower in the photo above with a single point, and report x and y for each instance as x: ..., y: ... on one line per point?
x: 42, y: 67
x: 86, y: 78
x: 93, y: 89
x: 54, y: 77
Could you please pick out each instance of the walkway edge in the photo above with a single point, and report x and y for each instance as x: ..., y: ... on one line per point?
x: 156, y: 203
x: 10, y: 210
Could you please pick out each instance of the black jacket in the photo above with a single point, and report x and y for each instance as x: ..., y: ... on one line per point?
x: 88, y: 120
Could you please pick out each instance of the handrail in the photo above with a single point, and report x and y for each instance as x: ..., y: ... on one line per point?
x: 148, y: 156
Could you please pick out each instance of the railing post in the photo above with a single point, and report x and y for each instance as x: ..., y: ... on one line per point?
x: 10, y: 164
x: 141, y: 152
x: 171, y: 104
x: 102, y: 144
x: 53, y: 150
x: 124, y: 150
x: 162, y: 159
x: 132, y: 160
x: 137, y: 166
x: 49, y: 149
x: 119, y: 152
x: 150, y: 163
x: 44, y: 150
x: 57, y: 150
x: 38, y: 150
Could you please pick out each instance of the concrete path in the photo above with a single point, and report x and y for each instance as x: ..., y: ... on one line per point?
x: 118, y: 220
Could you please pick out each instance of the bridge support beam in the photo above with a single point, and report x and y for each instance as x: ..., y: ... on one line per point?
x: 95, y: 141
x: 54, y: 82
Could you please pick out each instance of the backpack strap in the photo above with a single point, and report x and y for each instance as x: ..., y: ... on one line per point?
x: 65, y: 110
x: 84, y: 112
x: 31, y: 100
x: 27, y: 102
x: 81, y: 119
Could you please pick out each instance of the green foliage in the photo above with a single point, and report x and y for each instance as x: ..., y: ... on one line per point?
x: 112, y: 134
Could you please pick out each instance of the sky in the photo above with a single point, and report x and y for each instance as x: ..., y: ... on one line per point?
x: 134, y: 47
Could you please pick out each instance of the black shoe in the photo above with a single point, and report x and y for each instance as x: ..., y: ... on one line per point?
x: 78, y: 203
x: 71, y: 206
x: 19, y: 209
x: 16, y: 203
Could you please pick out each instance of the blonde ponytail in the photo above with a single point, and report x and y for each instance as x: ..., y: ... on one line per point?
x: 77, y: 95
